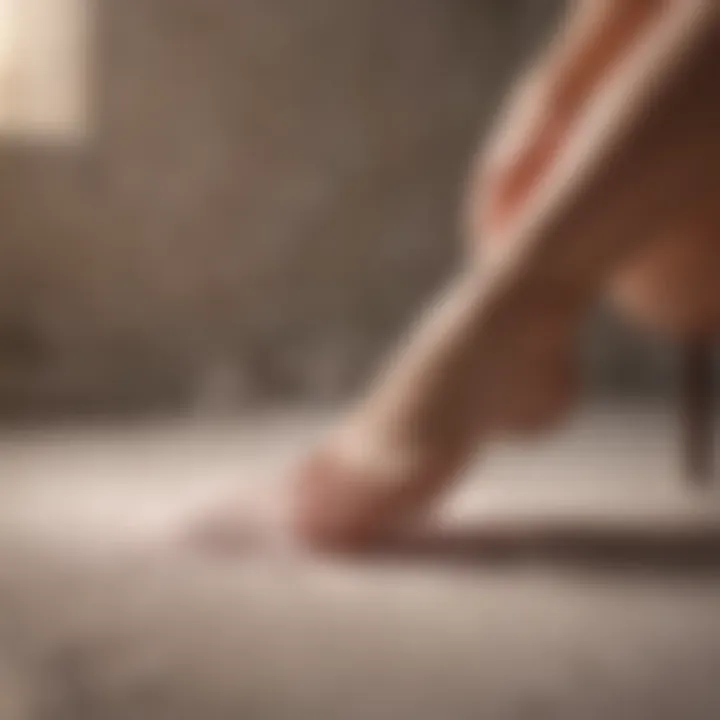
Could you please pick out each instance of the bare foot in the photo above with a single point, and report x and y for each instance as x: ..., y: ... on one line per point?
x: 495, y: 352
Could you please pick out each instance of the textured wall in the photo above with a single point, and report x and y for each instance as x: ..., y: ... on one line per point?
x: 270, y: 191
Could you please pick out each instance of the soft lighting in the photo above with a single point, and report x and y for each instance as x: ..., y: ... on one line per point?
x: 44, y: 69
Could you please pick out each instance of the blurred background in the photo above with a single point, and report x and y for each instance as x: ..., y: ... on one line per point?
x: 210, y: 205
x: 215, y: 207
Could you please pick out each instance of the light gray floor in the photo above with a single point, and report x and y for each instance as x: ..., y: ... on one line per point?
x: 102, y: 617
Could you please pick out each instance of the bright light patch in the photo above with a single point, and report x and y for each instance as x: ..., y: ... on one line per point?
x: 44, y: 62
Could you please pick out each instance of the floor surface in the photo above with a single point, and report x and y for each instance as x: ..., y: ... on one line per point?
x: 103, y: 616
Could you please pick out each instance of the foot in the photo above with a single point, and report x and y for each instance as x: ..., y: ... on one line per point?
x: 495, y: 354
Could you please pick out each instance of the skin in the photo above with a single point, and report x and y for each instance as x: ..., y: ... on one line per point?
x: 602, y: 177
x: 668, y: 286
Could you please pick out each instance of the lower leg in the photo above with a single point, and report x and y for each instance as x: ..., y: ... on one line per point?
x: 619, y: 181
